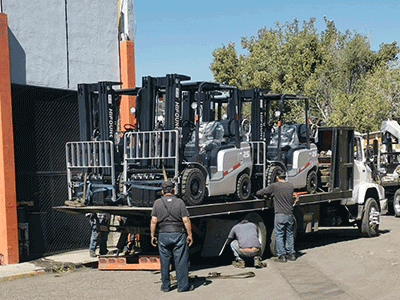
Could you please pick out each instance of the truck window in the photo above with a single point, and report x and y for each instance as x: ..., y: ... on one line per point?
x: 357, y: 149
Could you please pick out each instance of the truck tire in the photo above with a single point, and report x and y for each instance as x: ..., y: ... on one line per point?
x: 193, y: 186
x: 396, y: 203
x: 312, y: 182
x: 243, y: 187
x: 262, y: 229
x: 370, y: 219
x: 272, y: 243
x: 272, y: 172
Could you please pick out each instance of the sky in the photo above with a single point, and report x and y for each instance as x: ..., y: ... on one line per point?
x: 179, y: 36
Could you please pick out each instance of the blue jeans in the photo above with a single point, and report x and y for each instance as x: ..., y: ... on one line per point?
x: 284, y: 234
x: 173, y: 244
x: 239, y: 252
x: 98, y: 238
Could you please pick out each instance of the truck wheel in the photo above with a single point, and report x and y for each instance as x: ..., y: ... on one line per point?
x: 312, y: 182
x: 193, y: 186
x: 272, y: 172
x: 396, y: 203
x: 262, y: 229
x: 272, y: 244
x: 243, y: 187
x: 370, y: 219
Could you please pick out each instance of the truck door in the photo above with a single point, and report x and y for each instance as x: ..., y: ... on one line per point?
x: 362, y: 173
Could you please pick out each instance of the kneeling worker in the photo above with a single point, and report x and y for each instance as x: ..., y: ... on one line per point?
x: 245, y: 244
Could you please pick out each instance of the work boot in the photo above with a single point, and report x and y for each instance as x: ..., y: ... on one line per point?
x: 189, y: 289
x: 281, y: 258
x: 75, y: 203
x: 291, y: 257
x: 92, y: 253
x: 258, y: 263
x: 239, y: 263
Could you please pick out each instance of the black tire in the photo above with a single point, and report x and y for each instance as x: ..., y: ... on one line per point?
x: 312, y: 182
x: 272, y: 172
x: 272, y: 243
x: 370, y: 219
x: 243, y: 187
x: 262, y: 229
x: 396, y: 203
x: 193, y: 186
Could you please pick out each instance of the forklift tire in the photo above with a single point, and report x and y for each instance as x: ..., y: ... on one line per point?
x: 272, y: 244
x: 193, y: 186
x: 272, y: 172
x: 312, y: 182
x: 396, y: 203
x: 369, y: 226
x: 243, y: 187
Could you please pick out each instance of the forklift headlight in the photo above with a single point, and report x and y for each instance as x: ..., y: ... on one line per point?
x: 277, y: 114
x: 194, y: 105
x: 132, y: 110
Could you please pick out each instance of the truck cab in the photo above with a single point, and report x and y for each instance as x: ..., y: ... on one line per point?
x: 364, y: 184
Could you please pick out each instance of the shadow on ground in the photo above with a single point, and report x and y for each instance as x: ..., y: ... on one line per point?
x: 327, y: 236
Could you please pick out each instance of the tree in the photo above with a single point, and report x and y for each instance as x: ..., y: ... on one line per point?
x: 339, y: 72
x: 225, y: 65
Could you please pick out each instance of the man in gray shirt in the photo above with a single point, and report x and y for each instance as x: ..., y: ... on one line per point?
x: 245, y: 243
x: 284, y: 219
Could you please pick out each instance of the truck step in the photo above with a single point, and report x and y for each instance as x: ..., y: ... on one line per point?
x: 141, y: 262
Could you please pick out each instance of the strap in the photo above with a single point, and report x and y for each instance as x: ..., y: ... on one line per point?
x: 216, y: 275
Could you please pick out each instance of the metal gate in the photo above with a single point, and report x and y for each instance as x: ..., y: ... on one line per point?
x: 44, y: 120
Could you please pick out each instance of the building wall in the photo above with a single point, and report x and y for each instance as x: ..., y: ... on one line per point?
x: 60, y: 43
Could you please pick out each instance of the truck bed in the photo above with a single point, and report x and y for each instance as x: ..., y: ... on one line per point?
x: 210, y: 209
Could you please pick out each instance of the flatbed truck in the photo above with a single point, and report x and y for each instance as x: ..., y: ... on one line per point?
x: 346, y: 195
x: 384, y: 155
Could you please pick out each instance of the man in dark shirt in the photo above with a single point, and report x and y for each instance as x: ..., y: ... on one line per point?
x: 175, y: 234
x: 245, y: 243
x: 282, y: 192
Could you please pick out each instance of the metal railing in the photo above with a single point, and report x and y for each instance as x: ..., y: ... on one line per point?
x: 152, y: 148
x: 96, y: 155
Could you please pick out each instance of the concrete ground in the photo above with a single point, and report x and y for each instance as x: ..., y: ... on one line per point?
x: 334, y: 263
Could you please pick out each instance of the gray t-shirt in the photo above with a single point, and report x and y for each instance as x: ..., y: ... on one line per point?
x: 169, y: 210
x: 283, y: 196
x: 246, y: 233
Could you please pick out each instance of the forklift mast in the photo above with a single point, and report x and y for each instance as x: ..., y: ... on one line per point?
x: 153, y: 89
x: 98, y: 111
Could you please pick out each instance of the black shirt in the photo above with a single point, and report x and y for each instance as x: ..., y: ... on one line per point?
x: 283, y: 196
x: 169, y: 211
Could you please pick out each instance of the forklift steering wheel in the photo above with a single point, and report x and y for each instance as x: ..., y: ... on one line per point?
x: 129, y: 127
x: 190, y: 123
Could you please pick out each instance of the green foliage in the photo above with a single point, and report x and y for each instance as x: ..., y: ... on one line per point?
x: 347, y: 83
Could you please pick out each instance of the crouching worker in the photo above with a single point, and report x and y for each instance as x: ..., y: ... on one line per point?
x: 244, y: 241
x: 175, y: 235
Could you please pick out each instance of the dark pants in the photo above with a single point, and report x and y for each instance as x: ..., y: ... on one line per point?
x: 284, y: 234
x: 173, y: 244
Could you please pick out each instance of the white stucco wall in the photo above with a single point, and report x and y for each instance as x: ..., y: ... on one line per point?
x: 48, y: 50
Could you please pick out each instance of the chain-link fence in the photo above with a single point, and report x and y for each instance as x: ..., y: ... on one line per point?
x: 44, y: 120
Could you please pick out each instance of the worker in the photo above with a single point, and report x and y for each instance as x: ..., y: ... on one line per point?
x: 174, y: 236
x: 123, y: 238
x: 99, y: 223
x: 283, y: 195
x: 244, y: 241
